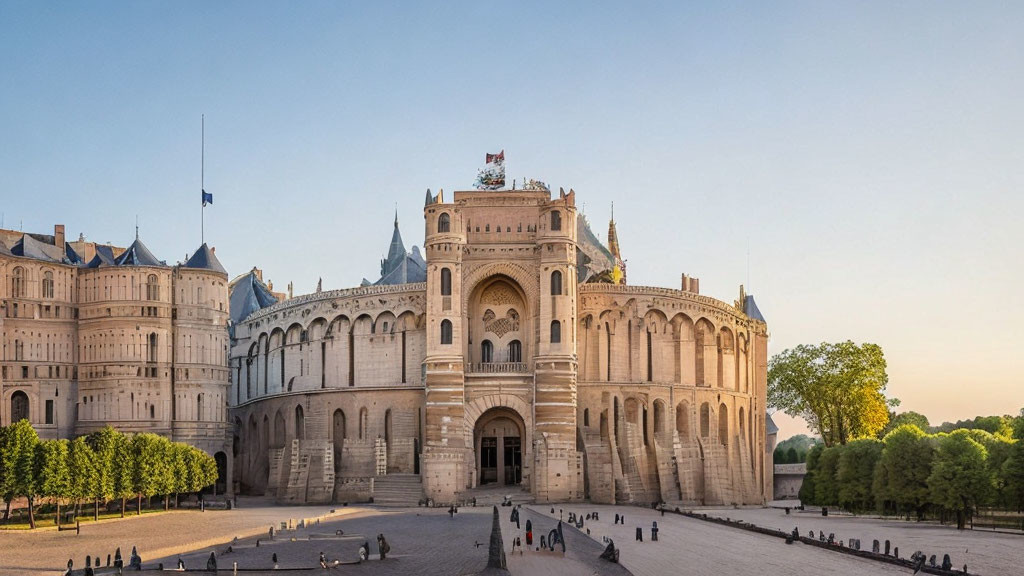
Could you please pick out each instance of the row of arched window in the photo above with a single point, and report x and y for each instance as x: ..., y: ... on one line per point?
x: 446, y: 334
x: 19, y: 282
x: 515, y: 351
x: 444, y: 222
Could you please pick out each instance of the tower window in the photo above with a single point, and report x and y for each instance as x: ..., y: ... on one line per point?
x: 446, y: 332
x: 556, y: 220
x: 446, y: 282
x: 556, y: 332
x: 556, y: 283
x: 444, y: 222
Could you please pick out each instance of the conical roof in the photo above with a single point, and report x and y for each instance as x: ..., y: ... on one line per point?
x: 751, y: 310
x: 204, y: 258
x: 248, y: 294
x: 396, y: 251
x: 138, y: 255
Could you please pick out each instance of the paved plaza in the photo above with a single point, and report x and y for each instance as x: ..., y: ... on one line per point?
x: 429, y: 542
x: 984, y: 552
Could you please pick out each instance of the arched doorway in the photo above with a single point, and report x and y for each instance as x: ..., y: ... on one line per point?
x: 19, y: 406
x: 498, y: 442
x: 221, y: 486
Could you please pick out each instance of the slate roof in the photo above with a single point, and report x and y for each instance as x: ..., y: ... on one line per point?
x: 104, y: 257
x: 205, y: 259
x: 29, y: 246
x: 400, y: 267
x: 751, y: 310
x: 248, y: 294
x: 138, y: 255
x: 769, y: 425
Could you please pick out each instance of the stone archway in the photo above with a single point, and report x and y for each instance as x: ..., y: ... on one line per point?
x: 498, y: 437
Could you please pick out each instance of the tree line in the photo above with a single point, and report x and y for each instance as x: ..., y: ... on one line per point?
x: 911, y: 472
x: 103, y: 466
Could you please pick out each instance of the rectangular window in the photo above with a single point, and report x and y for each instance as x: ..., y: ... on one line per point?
x: 49, y: 411
x: 24, y: 372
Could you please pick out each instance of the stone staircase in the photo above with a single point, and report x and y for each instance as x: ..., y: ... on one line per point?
x: 397, y: 490
x: 491, y: 495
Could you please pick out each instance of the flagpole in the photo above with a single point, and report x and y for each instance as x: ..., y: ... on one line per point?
x: 202, y: 184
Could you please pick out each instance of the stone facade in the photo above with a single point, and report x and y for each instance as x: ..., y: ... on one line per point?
x: 120, y: 339
x: 502, y: 367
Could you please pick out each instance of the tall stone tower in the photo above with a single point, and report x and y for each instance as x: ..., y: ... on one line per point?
x: 200, y: 372
x: 124, y: 342
x: 501, y: 343
x: 445, y: 450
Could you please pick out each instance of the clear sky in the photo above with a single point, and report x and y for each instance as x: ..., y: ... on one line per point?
x: 871, y: 155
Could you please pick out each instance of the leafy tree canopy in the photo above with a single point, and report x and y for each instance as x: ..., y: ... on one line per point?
x: 837, y: 388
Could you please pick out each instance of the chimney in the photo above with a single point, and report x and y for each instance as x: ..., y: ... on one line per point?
x: 58, y: 235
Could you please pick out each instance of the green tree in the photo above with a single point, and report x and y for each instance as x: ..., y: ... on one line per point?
x: 901, y: 475
x: 123, y: 469
x: 179, y: 456
x: 960, y: 480
x: 809, y: 485
x: 82, y: 469
x: 147, y: 453
x: 855, y: 473
x: 779, y: 456
x: 909, y: 417
x: 791, y: 456
x: 826, y: 483
x: 165, y: 482
x: 1018, y: 426
x: 53, y: 477
x: 209, y: 467
x: 1013, y: 474
x: 103, y: 443
x: 18, y: 456
x: 837, y: 388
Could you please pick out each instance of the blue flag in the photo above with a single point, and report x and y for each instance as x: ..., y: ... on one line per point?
x: 207, y: 198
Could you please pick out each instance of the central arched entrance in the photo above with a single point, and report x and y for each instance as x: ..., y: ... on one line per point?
x: 498, y: 443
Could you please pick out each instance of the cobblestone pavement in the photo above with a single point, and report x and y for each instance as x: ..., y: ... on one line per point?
x: 582, y: 554
x: 427, y: 542
x: 691, y: 546
x: 983, y: 552
x: 423, y: 542
x: 47, y: 551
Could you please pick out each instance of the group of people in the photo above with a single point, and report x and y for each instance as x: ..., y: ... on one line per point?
x: 134, y: 563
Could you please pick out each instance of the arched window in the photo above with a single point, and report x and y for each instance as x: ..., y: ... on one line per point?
x: 48, y: 284
x: 152, y: 412
x: 446, y: 332
x: 556, y: 283
x: 300, y: 423
x: 515, y: 351
x: 363, y: 421
x: 446, y: 282
x: 486, y: 351
x: 556, y: 331
x: 586, y: 416
x: 723, y: 425
x: 683, y: 420
x: 19, y: 406
x: 18, y: 282
x: 705, y: 420
x: 152, y: 289
x: 444, y: 223
x: 199, y: 406
x: 556, y: 220
x: 153, y: 341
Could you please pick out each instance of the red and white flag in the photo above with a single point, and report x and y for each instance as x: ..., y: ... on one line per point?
x: 498, y: 158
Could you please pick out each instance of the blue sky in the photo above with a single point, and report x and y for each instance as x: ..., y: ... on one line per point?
x: 869, y: 154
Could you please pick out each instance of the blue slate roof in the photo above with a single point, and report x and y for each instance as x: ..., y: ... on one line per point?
x: 400, y: 267
x: 31, y: 247
x: 138, y: 255
x: 104, y: 257
x: 248, y: 294
x: 769, y: 425
x: 751, y: 310
x: 205, y: 259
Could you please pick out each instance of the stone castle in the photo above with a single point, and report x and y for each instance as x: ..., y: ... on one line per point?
x: 96, y: 334
x: 510, y: 353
